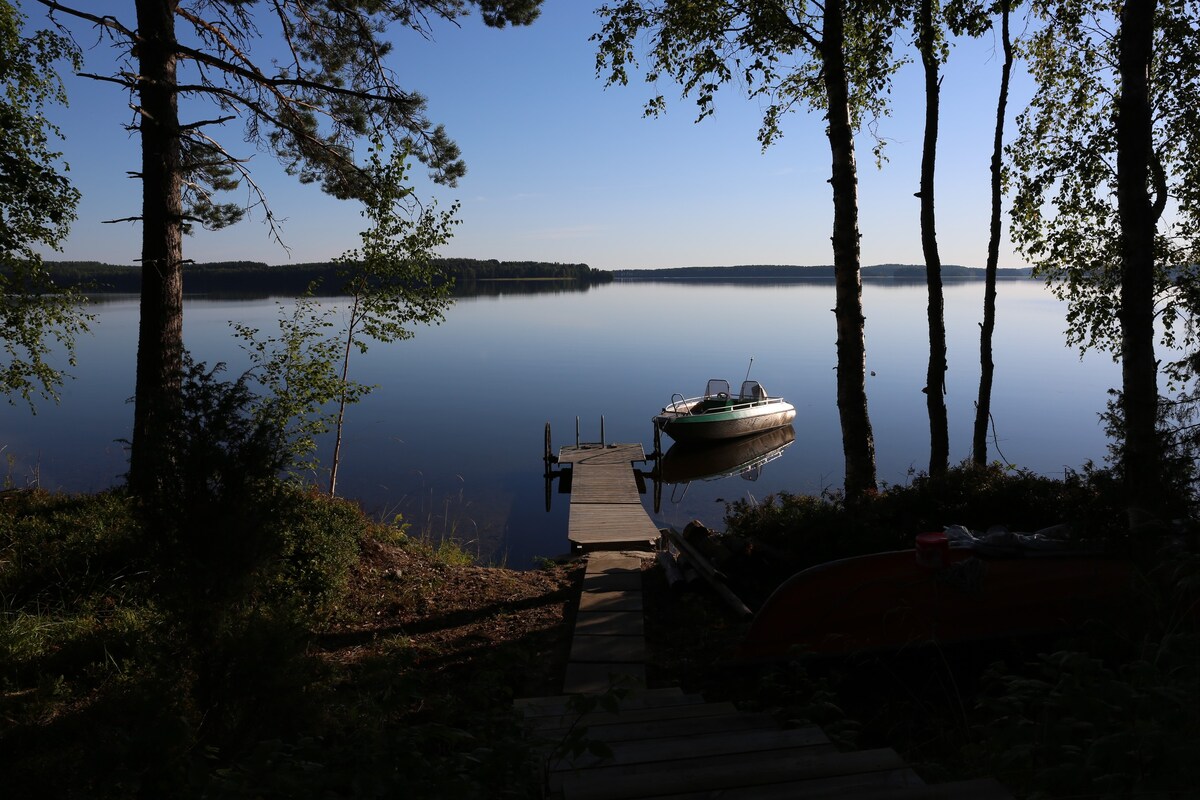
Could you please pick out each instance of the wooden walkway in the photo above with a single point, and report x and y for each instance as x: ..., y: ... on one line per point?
x: 608, y: 646
x: 669, y: 745
x: 606, y: 507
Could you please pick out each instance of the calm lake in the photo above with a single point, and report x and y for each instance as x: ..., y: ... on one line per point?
x: 452, y: 438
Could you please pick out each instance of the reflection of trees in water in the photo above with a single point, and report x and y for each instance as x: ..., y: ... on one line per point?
x: 493, y: 288
x: 499, y: 288
x: 253, y: 280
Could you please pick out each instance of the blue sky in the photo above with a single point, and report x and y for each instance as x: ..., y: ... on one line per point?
x: 562, y: 169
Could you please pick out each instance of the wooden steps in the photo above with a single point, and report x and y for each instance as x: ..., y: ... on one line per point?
x: 666, y: 744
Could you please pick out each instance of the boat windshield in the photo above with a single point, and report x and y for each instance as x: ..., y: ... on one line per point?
x: 716, y: 387
x: 752, y: 390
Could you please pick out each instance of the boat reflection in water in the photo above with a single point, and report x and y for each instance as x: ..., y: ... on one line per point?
x: 707, y: 461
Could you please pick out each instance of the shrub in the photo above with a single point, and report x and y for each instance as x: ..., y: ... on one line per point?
x: 1072, y: 723
x: 818, y: 529
x: 318, y: 539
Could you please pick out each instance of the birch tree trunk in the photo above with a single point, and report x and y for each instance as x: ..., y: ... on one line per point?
x: 1139, y: 369
x: 935, y: 375
x: 858, y: 442
x: 987, y: 368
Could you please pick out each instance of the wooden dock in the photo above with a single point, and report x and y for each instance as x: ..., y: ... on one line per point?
x: 663, y: 743
x: 606, y: 508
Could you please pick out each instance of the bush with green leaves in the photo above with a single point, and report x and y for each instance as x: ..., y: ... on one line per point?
x: 1178, y: 441
x: 389, y: 285
x: 819, y: 529
x: 1072, y: 723
x: 224, y: 528
x: 1110, y: 712
x: 244, y: 564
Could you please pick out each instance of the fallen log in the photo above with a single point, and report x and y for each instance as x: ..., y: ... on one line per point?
x: 711, y: 574
x: 670, y: 567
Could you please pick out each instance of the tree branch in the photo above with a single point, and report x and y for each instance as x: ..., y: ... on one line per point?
x: 252, y: 187
x: 255, y: 77
x: 261, y: 112
x: 110, y: 22
x: 1159, y: 176
x: 204, y: 122
x: 125, y: 82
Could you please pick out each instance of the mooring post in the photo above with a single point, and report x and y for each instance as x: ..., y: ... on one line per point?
x: 576, y: 430
x: 602, y: 430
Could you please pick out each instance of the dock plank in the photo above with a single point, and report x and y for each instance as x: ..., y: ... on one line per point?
x: 557, y: 705
x: 658, y: 729
x: 608, y: 649
x: 900, y: 784
x: 879, y: 785
x: 585, y: 678
x: 615, y: 581
x: 594, y: 523
x: 610, y: 623
x: 601, y: 454
x: 604, y: 483
x: 681, y: 710
x: 718, y: 772
x: 699, y: 745
x: 610, y: 601
x: 614, y: 561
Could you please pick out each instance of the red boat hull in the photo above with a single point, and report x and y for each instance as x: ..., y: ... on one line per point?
x: 890, y: 601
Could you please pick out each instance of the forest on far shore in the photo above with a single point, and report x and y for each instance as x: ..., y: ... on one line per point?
x: 252, y: 277
x: 788, y: 272
x: 256, y: 277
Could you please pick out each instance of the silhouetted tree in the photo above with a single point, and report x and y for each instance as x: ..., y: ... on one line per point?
x: 987, y: 367
x: 834, y: 57
x: 1110, y: 141
x: 326, y: 85
x: 932, y: 48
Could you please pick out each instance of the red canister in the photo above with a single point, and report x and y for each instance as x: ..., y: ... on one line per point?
x: 933, y: 549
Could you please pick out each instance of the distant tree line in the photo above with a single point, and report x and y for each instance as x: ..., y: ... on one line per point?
x: 254, y: 277
x: 789, y: 272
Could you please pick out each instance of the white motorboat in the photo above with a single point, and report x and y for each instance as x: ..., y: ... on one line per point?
x: 719, y: 414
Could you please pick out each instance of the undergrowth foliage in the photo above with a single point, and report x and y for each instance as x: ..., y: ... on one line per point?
x: 226, y: 529
x: 1113, y: 711
x: 1107, y: 710
x: 1178, y: 440
x: 818, y: 529
x: 243, y: 561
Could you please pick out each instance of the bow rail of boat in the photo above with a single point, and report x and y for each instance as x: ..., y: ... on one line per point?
x: 692, y: 406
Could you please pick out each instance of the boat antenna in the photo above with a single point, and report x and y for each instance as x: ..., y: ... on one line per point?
x: 748, y: 369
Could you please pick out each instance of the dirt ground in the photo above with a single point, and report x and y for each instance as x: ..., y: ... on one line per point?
x: 458, y: 618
